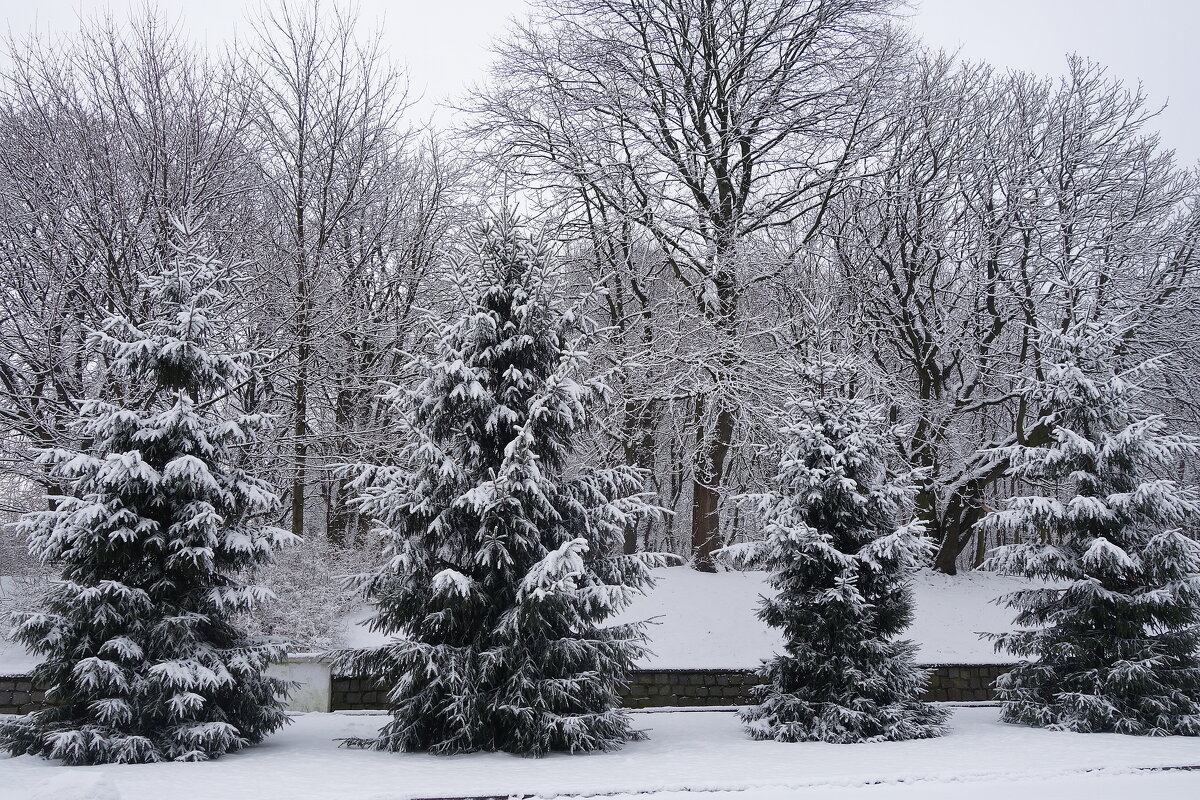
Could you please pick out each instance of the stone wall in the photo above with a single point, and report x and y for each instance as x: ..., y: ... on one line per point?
x: 18, y: 695
x: 310, y: 674
x: 355, y: 694
x: 964, y: 683
x: 689, y: 687
x: 955, y: 683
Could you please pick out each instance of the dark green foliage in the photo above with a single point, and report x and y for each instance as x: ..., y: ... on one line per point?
x: 1113, y: 642
x: 501, y: 569
x: 841, y: 558
x: 143, y: 660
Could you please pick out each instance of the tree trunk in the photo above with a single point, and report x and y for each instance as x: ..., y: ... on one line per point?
x: 638, y: 434
x: 706, y: 495
x: 966, y: 505
x: 947, y: 555
x: 300, y: 424
x: 300, y: 467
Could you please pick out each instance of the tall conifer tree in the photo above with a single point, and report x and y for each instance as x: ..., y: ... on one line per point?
x: 503, y: 551
x: 142, y: 656
x: 1113, y: 643
x: 841, y: 548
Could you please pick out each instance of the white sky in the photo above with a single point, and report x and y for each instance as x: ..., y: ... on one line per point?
x: 445, y: 42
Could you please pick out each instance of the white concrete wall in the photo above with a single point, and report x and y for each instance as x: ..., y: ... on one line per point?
x: 313, y: 676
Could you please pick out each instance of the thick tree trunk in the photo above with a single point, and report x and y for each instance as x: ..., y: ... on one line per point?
x: 712, y: 452
x: 947, y: 555
x: 630, y: 545
x: 706, y: 495
x: 963, y: 510
x: 956, y: 527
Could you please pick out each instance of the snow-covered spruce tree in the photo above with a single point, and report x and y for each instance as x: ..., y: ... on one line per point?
x: 841, y: 550
x: 156, y: 525
x: 502, y: 554
x: 1113, y: 643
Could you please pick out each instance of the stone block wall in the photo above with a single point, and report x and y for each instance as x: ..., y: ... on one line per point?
x: 676, y: 687
x: 962, y: 683
x: 355, y: 694
x: 956, y: 683
x: 18, y: 695
x: 689, y: 687
x: 647, y: 689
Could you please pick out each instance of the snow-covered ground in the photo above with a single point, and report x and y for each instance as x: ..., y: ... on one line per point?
x: 706, y: 621
x: 1100, y: 785
x: 13, y: 658
x: 687, y: 752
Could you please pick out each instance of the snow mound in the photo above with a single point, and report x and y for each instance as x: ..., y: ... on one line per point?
x: 14, y: 659
x: 75, y: 785
x: 707, y: 621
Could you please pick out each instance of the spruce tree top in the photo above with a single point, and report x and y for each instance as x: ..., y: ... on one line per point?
x: 836, y: 528
x: 841, y: 546
x: 161, y: 470
x: 500, y: 410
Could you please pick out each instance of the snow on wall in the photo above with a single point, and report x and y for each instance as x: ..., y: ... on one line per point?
x: 14, y: 660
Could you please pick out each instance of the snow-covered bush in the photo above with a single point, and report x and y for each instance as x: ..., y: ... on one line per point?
x: 156, y: 526
x: 1116, y: 645
x: 502, y: 563
x: 841, y: 549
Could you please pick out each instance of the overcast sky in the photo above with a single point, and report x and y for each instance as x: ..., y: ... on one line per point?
x: 445, y: 42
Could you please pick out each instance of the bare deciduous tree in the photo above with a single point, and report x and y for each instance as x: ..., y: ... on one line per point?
x: 705, y: 123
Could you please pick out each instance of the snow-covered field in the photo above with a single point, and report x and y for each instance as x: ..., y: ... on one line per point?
x: 13, y: 658
x: 706, y: 621
x: 687, y: 752
x: 700, y: 621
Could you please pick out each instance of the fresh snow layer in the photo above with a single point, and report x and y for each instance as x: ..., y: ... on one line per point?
x: 71, y: 785
x: 707, y: 620
x: 707, y: 751
x: 1099, y: 785
x: 14, y: 660
x: 13, y: 657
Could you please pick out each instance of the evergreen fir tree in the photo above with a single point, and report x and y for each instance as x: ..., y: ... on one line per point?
x: 142, y: 658
x: 1113, y: 643
x: 841, y: 556
x: 502, y: 564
